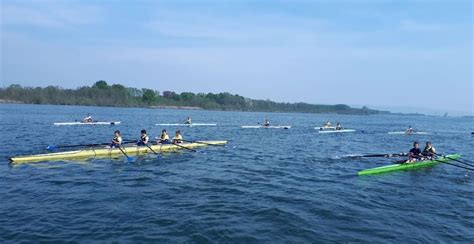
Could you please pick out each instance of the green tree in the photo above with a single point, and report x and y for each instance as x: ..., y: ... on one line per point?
x: 102, y: 84
x: 148, y: 96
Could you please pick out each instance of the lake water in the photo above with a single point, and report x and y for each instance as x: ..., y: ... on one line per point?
x: 266, y: 185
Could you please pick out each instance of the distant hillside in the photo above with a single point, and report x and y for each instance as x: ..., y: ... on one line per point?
x: 116, y: 95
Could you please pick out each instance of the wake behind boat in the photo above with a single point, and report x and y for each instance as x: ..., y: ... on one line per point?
x: 88, y: 123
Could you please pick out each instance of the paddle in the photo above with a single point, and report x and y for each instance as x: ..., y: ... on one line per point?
x: 152, y: 150
x: 53, y: 147
x: 190, y: 149
x: 468, y: 164
x: 455, y: 165
x: 388, y: 155
x: 130, y: 159
x: 439, y: 161
x: 200, y: 142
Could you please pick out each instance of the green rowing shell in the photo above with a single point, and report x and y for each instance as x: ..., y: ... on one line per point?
x: 406, y: 166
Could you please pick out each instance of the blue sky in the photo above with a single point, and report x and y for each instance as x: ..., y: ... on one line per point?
x: 375, y: 53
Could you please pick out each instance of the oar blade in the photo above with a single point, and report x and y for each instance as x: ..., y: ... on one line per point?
x: 51, y: 148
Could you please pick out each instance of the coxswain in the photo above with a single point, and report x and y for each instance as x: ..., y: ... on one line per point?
x: 338, y: 126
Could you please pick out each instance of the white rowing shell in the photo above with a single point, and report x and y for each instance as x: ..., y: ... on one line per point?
x: 261, y: 126
x: 193, y: 124
x: 411, y: 133
x: 90, y: 123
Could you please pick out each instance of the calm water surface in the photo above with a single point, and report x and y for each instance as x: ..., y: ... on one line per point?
x: 264, y: 186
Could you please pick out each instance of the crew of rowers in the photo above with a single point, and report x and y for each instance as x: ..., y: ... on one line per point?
x: 416, y: 154
x: 328, y: 125
x: 145, y: 139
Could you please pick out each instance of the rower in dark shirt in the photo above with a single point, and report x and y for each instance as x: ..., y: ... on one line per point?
x: 415, y: 153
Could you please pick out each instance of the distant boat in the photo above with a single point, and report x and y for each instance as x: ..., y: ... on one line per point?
x: 445, y: 115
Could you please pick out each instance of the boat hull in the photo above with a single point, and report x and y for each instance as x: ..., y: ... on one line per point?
x: 189, y: 125
x: 108, y: 152
x: 91, y: 123
x: 405, y: 133
x: 266, y: 127
x: 334, y: 131
x: 408, y: 166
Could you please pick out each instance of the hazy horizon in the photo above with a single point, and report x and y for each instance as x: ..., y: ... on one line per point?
x: 404, y: 54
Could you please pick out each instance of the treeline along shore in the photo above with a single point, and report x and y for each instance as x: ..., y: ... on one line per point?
x: 116, y: 95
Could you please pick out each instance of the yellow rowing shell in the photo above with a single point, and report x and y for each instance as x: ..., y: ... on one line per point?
x: 109, y: 152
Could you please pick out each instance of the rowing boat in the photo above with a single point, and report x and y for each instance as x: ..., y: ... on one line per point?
x: 406, y: 166
x: 190, y: 125
x: 334, y: 131
x: 266, y: 127
x: 109, y: 152
x: 408, y: 133
x: 89, y: 123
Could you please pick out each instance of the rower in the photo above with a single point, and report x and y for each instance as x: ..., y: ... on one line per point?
x: 409, y: 130
x: 117, y: 140
x: 429, y: 150
x: 266, y: 123
x: 415, y: 153
x: 188, y: 121
x: 143, y: 139
x: 177, y: 139
x: 338, y: 126
x: 88, y: 118
x: 327, y: 124
x: 164, y: 138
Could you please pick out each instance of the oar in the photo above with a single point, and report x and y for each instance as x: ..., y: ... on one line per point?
x: 53, y: 147
x: 152, y: 150
x: 468, y: 164
x: 130, y: 159
x: 190, y: 149
x: 387, y: 155
x: 200, y: 142
x: 455, y: 165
